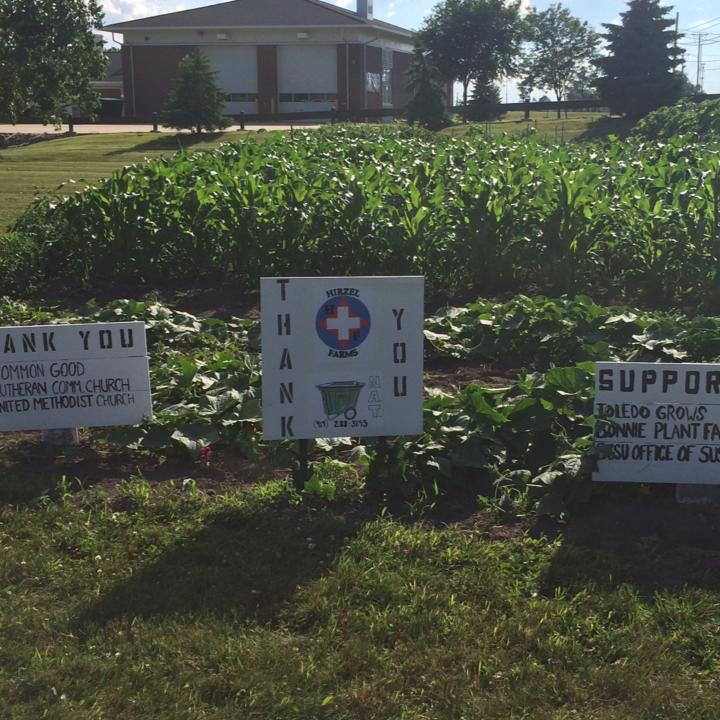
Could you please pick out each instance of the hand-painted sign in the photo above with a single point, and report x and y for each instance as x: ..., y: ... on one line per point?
x: 342, y: 357
x: 658, y: 423
x: 64, y: 376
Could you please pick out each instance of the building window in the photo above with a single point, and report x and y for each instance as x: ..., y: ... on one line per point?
x: 241, y: 97
x: 373, y: 82
x: 308, y: 97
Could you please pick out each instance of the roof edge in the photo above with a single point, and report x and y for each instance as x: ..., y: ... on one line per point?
x: 348, y: 14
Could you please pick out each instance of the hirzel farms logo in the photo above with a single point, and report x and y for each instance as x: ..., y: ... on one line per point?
x: 343, y: 322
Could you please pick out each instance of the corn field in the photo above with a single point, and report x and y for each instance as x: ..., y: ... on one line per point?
x: 473, y: 215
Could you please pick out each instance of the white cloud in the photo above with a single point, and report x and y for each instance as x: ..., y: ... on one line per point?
x: 110, y: 8
x: 344, y: 3
x: 132, y: 9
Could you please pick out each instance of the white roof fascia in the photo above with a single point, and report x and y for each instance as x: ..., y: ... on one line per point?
x: 118, y: 28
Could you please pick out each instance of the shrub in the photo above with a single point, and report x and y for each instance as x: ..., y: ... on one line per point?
x: 699, y: 120
x: 20, y: 264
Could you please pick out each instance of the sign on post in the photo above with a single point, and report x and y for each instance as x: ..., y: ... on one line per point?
x: 658, y: 423
x: 342, y: 357
x: 67, y: 376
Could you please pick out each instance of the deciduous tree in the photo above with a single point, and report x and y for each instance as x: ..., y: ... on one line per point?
x: 561, y: 51
x: 473, y: 39
x: 48, y: 56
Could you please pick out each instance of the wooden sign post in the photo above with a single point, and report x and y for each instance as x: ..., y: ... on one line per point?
x: 342, y: 357
x: 57, y: 378
x: 659, y: 423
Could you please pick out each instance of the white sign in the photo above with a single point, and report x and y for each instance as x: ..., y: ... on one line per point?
x: 658, y: 423
x: 65, y: 376
x: 342, y: 357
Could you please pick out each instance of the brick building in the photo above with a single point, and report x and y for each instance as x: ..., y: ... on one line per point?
x: 271, y: 56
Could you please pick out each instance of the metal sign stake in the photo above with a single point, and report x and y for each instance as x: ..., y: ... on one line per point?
x: 302, y: 473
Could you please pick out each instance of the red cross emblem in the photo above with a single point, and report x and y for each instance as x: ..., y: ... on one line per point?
x: 344, y: 323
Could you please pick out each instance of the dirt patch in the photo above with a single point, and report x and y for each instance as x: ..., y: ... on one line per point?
x: 204, y: 299
x: 30, y: 468
x: 453, y: 377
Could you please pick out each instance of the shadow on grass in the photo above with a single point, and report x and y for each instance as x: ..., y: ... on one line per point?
x: 181, y: 141
x: 244, y: 564
x: 603, y: 127
x: 651, y: 544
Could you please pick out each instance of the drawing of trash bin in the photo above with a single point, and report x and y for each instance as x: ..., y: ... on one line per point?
x: 340, y: 398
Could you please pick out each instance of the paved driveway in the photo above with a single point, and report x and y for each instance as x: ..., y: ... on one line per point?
x: 87, y: 129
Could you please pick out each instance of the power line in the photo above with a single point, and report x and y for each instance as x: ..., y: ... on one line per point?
x: 702, y: 24
x: 695, y: 35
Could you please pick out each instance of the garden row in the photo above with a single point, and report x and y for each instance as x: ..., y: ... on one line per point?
x: 475, y: 216
x: 527, y: 444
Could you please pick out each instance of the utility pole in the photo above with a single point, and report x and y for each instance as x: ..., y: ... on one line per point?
x: 677, y: 36
x: 699, y: 63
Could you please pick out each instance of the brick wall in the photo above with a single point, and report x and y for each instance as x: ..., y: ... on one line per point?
x: 357, y: 77
x: 401, y: 64
x: 374, y: 65
x: 267, y: 65
x: 148, y: 74
x: 342, y: 76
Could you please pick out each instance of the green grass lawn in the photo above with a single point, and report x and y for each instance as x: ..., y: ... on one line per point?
x: 576, y: 126
x: 42, y: 167
x: 164, y: 602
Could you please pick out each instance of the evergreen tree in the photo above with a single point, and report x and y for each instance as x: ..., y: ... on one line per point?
x: 427, y: 105
x: 196, y: 102
x: 639, y: 73
x: 483, y: 105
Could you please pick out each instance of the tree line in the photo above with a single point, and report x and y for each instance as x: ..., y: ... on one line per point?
x: 479, y: 42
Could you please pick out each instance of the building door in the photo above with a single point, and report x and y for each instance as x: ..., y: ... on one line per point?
x: 307, y: 78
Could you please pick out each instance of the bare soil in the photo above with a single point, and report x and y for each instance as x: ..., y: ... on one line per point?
x: 451, y: 377
x: 32, y: 468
